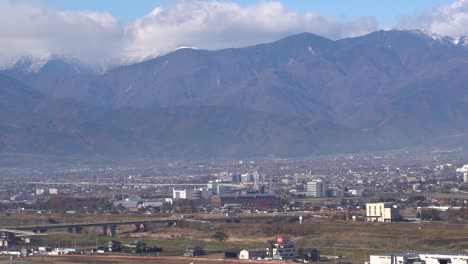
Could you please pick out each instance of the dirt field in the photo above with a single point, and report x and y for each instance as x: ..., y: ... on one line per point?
x: 114, y: 259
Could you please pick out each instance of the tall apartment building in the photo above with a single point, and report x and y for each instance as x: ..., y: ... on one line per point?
x: 316, y: 188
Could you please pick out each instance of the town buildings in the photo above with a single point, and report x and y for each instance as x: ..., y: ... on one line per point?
x: 420, y: 258
x: 247, y: 201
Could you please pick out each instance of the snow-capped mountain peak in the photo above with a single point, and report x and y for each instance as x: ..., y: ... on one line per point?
x: 461, y: 41
x: 434, y: 39
x: 26, y: 63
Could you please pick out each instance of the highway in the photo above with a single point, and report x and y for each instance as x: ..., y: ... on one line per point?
x: 79, y: 226
x: 131, y: 184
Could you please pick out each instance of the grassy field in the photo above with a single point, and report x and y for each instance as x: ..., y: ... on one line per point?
x: 355, y: 241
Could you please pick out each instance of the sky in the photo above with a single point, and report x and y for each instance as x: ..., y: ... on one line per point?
x: 386, y: 11
x: 102, y: 32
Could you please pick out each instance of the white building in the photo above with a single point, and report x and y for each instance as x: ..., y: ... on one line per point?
x: 282, y: 249
x: 247, y: 177
x: 192, y: 194
x: 252, y: 253
x: 382, y: 212
x: 355, y: 192
x: 219, y: 189
x: 182, y: 194
x: 40, y: 191
x: 420, y: 257
x: 316, y: 188
x: 464, y: 170
x: 337, y: 192
x: 53, y: 191
x: 202, y: 194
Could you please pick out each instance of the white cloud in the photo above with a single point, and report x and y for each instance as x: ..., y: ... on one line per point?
x: 39, y: 31
x: 96, y: 37
x: 450, y: 20
x: 216, y: 24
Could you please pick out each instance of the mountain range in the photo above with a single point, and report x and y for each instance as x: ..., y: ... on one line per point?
x: 300, y: 95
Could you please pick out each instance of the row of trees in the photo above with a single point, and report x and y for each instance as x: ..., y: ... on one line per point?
x: 451, y: 215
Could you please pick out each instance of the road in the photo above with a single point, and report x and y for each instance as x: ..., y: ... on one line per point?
x: 151, y: 221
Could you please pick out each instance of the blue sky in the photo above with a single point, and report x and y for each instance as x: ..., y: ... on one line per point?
x: 385, y: 11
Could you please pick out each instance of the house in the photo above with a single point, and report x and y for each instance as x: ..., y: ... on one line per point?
x: 7, y: 240
x: 136, y: 244
x: 192, y: 251
x: 312, y: 254
x: 114, y: 246
x: 252, y: 253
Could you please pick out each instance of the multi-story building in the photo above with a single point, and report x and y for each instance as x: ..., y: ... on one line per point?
x: 182, y: 194
x: 202, y: 194
x: 218, y: 188
x: 316, y: 188
x: 282, y: 249
x: 247, y: 177
x: 192, y: 194
x: 382, y: 212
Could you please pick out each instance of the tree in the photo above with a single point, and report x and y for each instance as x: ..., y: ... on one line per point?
x: 430, y: 215
x: 220, y: 236
x: 450, y: 215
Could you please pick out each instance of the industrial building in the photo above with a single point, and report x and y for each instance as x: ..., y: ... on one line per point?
x: 192, y: 194
x: 219, y: 189
x: 382, y: 212
x: 420, y: 258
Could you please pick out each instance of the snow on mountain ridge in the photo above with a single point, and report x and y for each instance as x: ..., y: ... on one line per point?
x: 32, y: 64
x: 432, y: 37
x: 26, y: 63
x: 461, y: 41
x: 126, y: 61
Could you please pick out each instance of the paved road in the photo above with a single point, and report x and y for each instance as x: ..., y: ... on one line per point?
x: 151, y: 221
